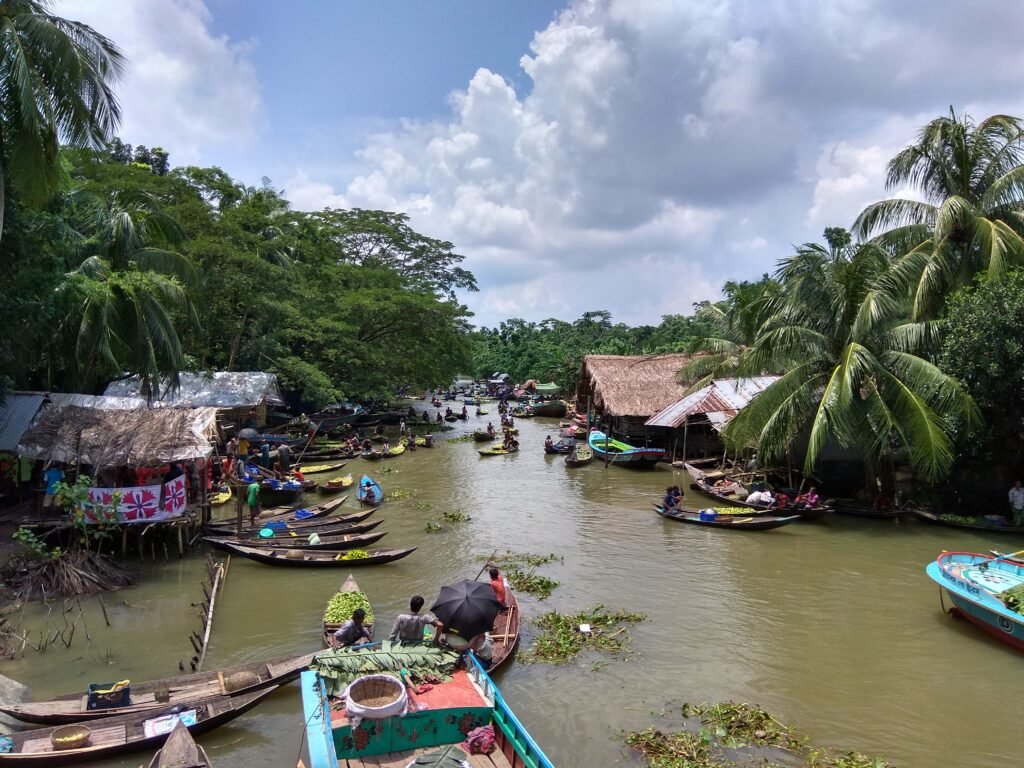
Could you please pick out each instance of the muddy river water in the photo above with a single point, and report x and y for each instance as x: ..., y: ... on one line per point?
x: 832, y: 626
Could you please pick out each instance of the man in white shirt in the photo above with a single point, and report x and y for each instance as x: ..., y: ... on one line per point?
x: 1017, y: 503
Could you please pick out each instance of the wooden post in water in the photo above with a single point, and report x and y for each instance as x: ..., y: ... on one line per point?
x: 686, y: 432
x: 238, y: 508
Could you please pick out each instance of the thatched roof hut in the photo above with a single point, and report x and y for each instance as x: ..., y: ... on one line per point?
x: 635, y: 386
x: 108, y: 438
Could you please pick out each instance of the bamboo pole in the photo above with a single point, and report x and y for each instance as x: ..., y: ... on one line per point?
x: 209, y: 619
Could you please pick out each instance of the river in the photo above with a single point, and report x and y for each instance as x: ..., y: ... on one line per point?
x: 832, y: 626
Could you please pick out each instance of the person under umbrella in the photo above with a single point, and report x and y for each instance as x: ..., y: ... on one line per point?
x: 467, y: 608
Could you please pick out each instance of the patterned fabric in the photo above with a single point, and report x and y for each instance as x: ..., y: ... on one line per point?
x: 141, y: 504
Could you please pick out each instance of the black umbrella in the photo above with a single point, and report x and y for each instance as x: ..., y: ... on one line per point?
x: 249, y: 434
x: 467, y: 608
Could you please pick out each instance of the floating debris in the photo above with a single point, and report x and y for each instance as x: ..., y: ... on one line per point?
x: 563, y: 636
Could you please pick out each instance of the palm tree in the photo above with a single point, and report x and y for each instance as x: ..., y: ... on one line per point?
x: 971, y: 218
x: 128, y: 289
x: 55, y: 85
x: 734, y: 324
x: 852, y: 369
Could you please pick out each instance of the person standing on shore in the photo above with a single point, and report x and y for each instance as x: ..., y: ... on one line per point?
x: 253, y: 500
x: 1017, y: 503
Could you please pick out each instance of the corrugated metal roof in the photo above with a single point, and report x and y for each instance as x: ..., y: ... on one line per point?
x: 719, y: 402
x: 222, y: 389
x: 16, y: 414
x: 101, y: 402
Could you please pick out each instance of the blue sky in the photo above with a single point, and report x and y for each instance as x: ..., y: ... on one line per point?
x: 627, y: 155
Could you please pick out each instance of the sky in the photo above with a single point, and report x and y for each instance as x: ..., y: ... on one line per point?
x: 620, y: 155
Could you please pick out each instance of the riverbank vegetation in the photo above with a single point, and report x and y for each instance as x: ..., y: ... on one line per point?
x: 731, y: 735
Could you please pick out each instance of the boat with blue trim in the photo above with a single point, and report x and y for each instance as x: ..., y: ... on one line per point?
x: 437, y: 719
x: 974, y: 582
x: 622, y: 454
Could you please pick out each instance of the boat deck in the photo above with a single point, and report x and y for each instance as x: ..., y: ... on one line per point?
x: 457, y: 692
x: 402, y: 759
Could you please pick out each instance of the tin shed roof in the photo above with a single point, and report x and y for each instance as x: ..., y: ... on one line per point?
x: 221, y: 389
x: 718, y: 402
x: 16, y: 414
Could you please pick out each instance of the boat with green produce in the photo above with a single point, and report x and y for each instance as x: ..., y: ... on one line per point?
x: 340, y: 607
x: 329, y: 558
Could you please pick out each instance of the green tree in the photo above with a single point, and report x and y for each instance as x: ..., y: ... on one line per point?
x: 852, y: 369
x: 732, y: 327
x: 57, y: 78
x: 982, y: 346
x: 971, y: 218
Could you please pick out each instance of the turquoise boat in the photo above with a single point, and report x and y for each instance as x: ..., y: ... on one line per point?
x: 369, y: 491
x: 449, y: 711
x: 622, y: 454
x: 973, y: 583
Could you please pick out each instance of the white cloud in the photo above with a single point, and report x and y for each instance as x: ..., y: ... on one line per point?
x: 188, y: 90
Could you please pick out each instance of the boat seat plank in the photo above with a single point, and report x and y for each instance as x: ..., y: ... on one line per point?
x: 100, y: 737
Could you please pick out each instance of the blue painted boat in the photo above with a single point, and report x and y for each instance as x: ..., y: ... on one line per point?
x: 331, y: 739
x: 973, y: 582
x: 369, y: 491
x: 615, y: 452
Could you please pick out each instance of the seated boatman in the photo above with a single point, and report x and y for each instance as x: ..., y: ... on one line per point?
x: 408, y: 627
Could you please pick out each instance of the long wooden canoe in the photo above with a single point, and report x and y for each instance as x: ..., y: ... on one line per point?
x: 125, y: 733
x: 734, y: 522
x: 71, y: 707
x: 180, y: 751
x: 972, y: 523
x: 318, y: 559
x: 583, y: 454
x: 342, y: 541
x: 311, y: 513
x: 731, y: 492
x: 498, y: 449
x: 335, y: 485
x: 329, y: 628
x: 316, y: 469
x: 295, y: 538
x: 228, y: 526
x: 505, y: 632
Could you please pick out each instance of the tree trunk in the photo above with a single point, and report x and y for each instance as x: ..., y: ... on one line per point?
x: 235, y: 342
x: 3, y: 197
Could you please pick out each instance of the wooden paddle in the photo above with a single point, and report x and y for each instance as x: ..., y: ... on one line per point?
x: 983, y: 565
x: 486, y: 563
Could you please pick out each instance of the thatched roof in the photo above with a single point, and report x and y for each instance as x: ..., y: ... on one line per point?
x: 76, y: 435
x: 637, y: 385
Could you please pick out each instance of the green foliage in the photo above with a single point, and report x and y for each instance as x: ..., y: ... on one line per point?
x: 37, y: 548
x: 527, y: 580
x: 341, y: 666
x: 561, y: 640
x: 983, y: 347
x: 342, y: 604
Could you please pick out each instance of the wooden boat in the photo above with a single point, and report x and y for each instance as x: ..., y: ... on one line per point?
x: 396, y: 450
x: 230, y: 526
x: 311, y: 513
x: 369, y: 491
x: 331, y: 740
x: 505, y: 632
x: 498, y: 449
x: 622, y: 454
x: 72, y: 708
x: 372, y: 455
x: 482, y: 436
x: 180, y: 751
x: 989, y: 523
x: 974, y: 582
x: 335, y: 485
x: 730, y: 491
x: 554, y: 409
x: 735, y: 522
x: 854, y: 508
x: 482, y: 412
x: 125, y: 733
x: 318, y: 559
x: 510, y: 430
x: 221, y: 497
x: 562, y: 446
x: 339, y: 541
x: 252, y: 536
x: 317, y: 469
x: 282, y: 495
x: 452, y: 417
x: 329, y: 628
x: 582, y: 455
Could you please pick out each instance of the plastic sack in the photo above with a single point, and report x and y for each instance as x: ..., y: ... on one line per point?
x: 302, y: 514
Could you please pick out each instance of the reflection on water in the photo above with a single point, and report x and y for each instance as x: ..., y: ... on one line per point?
x: 832, y: 626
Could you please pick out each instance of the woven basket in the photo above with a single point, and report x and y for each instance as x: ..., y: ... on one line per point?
x: 70, y: 737
x: 295, y: 554
x: 239, y: 680
x: 375, y: 692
